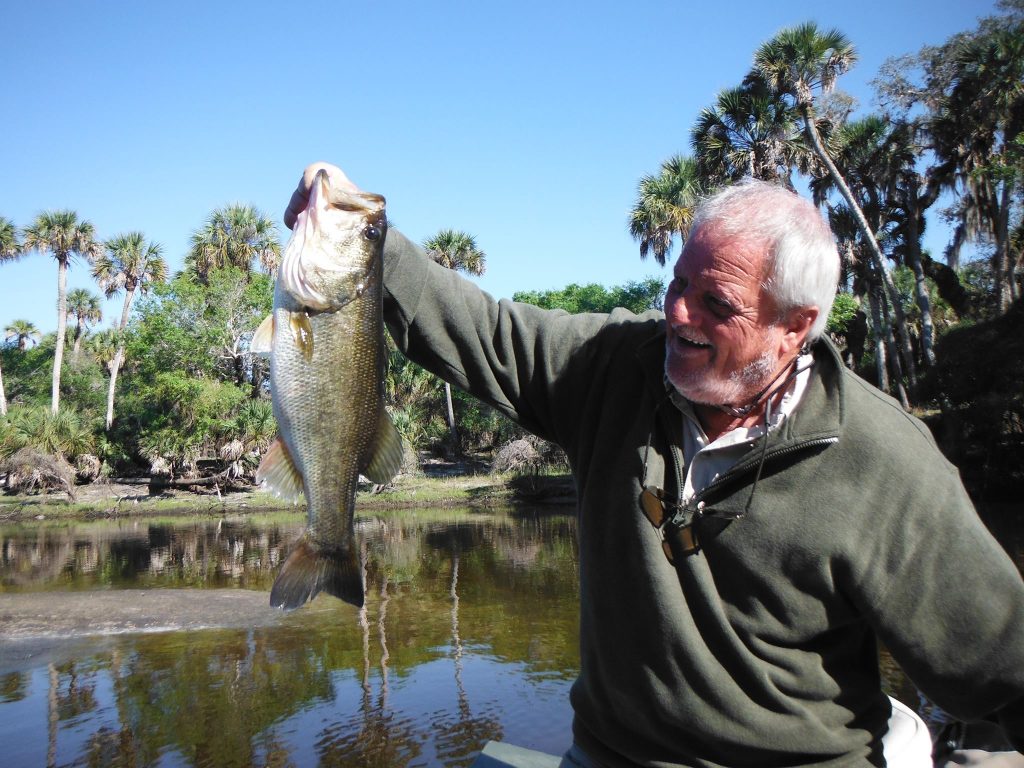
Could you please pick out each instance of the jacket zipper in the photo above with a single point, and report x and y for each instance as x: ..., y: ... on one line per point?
x: 695, y: 506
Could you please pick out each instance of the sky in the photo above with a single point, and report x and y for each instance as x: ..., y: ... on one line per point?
x: 526, y: 124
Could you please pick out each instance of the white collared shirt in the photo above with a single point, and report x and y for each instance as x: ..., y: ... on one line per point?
x: 707, y: 460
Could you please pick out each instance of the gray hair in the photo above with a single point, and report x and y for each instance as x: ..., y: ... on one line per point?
x: 802, y: 262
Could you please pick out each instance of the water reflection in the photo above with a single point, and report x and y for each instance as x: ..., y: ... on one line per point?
x: 468, y: 633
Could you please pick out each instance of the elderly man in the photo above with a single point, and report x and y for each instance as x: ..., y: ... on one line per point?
x: 753, y: 518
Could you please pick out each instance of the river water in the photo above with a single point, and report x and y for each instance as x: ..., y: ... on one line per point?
x: 150, y: 643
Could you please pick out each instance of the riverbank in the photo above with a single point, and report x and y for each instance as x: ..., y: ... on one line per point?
x: 436, y: 486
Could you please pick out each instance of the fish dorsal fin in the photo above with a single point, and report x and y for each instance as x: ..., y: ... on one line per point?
x: 386, y: 456
x: 278, y: 474
x: 263, y: 338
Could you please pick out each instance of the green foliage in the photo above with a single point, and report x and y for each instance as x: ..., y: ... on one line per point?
x: 978, y: 382
x: 84, y: 386
x: 182, y: 418
x: 978, y: 280
x: 201, y: 329
x: 665, y: 205
x: 64, y: 434
x: 456, y: 250
x: 255, y: 425
x: 415, y: 399
x: 482, y: 427
x: 844, y: 308
x: 236, y: 236
x: 27, y: 371
x: 635, y: 296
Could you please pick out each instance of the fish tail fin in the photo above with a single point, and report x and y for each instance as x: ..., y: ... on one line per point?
x: 309, y: 570
x: 386, y: 456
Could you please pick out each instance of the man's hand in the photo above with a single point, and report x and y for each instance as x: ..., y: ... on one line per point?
x: 300, y: 197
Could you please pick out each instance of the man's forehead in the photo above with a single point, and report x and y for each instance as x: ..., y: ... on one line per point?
x: 709, y: 247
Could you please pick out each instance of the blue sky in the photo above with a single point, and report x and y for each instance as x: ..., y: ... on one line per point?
x: 526, y: 124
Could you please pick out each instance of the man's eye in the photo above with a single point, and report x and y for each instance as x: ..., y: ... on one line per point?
x: 719, y: 307
x: 678, y: 284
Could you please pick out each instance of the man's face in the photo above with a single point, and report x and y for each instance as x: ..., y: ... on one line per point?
x: 724, y: 338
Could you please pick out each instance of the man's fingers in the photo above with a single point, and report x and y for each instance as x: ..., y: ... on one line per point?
x: 300, y: 197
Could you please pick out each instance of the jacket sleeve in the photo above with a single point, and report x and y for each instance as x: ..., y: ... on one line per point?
x: 948, y: 602
x: 516, y: 357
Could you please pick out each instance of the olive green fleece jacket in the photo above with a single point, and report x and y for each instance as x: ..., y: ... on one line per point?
x: 760, y: 649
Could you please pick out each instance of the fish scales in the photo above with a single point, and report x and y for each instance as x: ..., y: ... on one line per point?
x: 326, y: 343
x: 329, y: 407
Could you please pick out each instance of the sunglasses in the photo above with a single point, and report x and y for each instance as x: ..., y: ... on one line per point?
x: 674, y: 521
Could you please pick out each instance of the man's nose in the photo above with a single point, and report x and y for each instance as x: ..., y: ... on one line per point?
x: 677, y: 308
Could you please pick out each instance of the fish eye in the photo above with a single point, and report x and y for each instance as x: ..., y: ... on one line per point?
x: 371, y: 232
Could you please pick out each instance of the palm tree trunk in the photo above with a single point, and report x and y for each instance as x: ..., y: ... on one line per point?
x: 78, y: 343
x: 897, y: 373
x: 3, y: 397
x: 869, y: 238
x: 1006, y: 283
x: 62, y: 328
x: 913, y: 243
x: 115, y: 364
x: 877, y: 330
x: 450, y: 414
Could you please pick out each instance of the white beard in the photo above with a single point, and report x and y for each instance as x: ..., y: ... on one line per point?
x: 736, y: 389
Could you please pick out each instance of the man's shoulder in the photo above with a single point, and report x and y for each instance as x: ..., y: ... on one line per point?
x: 873, y: 415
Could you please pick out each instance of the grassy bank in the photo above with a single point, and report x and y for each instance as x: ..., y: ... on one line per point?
x: 406, y: 492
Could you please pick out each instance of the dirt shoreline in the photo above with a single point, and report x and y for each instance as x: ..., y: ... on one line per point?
x: 439, y: 488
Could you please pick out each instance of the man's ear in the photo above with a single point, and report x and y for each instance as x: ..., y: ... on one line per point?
x: 797, y: 325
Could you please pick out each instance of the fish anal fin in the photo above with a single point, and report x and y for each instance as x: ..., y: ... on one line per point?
x: 263, y: 338
x: 278, y: 474
x: 386, y: 452
x: 309, y: 571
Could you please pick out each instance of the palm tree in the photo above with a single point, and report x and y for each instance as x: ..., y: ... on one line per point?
x: 10, y: 249
x: 870, y: 161
x: 795, y: 64
x: 749, y: 131
x: 910, y: 194
x: 977, y: 131
x: 859, y: 273
x: 103, y: 346
x: 665, y: 206
x: 85, y: 306
x: 235, y: 236
x: 10, y: 245
x: 64, y: 237
x: 458, y: 251
x: 22, y: 331
x: 133, y: 265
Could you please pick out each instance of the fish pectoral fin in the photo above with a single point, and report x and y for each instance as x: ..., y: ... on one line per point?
x: 263, y: 338
x: 386, y: 455
x: 278, y: 474
x: 302, y: 333
x: 310, y: 570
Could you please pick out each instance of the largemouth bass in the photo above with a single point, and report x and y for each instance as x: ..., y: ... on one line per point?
x: 326, y: 344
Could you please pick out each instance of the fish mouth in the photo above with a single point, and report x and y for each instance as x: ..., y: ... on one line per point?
x: 354, y: 200
x: 334, y: 215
